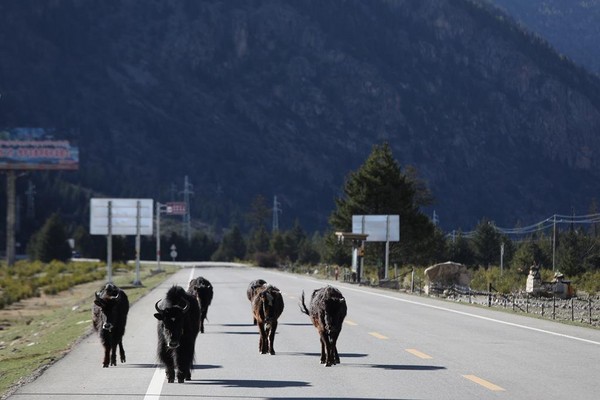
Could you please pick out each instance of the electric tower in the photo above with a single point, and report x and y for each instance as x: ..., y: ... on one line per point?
x: 276, y: 211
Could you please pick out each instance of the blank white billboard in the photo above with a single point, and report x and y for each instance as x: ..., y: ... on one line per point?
x: 380, y: 228
x: 124, y: 216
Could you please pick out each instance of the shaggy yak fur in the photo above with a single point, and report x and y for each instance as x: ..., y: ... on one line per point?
x: 178, y: 316
x: 202, y: 290
x: 251, y: 291
x: 267, y: 306
x: 327, y: 312
x: 109, y: 316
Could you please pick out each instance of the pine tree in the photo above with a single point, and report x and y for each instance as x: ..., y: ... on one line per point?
x: 379, y: 187
x: 51, y: 241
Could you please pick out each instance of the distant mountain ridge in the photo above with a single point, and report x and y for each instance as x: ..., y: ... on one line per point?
x: 284, y: 98
x: 572, y: 27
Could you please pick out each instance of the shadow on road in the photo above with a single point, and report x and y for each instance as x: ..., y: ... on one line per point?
x: 249, y: 383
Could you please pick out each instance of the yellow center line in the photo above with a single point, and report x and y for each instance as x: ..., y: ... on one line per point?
x: 377, y: 335
x: 417, y: 353
x: 484, y: 383
x: 350, y: 322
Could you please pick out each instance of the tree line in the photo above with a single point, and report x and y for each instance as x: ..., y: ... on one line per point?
x: 378, y: 187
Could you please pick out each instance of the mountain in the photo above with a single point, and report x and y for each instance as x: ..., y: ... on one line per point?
x: 285, y: 98
x: 572, y: 27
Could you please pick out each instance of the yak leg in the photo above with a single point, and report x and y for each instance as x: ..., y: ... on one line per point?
x: 184, y: 364
x: 334, y: 351
x: 272, y: 330
x: 323, y: 348
x: 113, y: 354
x: 203, y: 313
x: 263, y: 341
x: 106, y: 360
x: 122, y: 351
x: 167, y: 359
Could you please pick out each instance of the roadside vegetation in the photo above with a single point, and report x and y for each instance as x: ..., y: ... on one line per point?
x: 42, y: 319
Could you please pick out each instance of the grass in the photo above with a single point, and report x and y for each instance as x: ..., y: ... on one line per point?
x: 38, y: 331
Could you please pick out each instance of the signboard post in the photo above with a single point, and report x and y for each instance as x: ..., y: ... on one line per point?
x: 380, y: 228
x: 358, y: 246
x: 121, y: 217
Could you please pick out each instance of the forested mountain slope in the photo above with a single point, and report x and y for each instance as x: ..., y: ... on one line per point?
x: 284, y: 98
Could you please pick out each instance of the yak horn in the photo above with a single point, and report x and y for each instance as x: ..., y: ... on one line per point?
x: 156, y: 306
x: 187, y: 306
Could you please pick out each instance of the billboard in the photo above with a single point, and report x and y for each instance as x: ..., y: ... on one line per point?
x: 123, y: 216
x: 38, y: 155
x: 380, y: 228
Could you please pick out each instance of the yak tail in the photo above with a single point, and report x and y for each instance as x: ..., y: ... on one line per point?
x: 303, y: 308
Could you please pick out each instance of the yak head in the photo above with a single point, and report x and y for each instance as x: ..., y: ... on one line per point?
x: 172, y: 318
x: 106, y: 300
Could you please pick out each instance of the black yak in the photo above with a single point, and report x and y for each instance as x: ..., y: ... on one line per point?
x: 109, y: 317
x: 202, y: 290
x: 267, y: 306
x: 178, y: 316
x: 252, y: 287
x: 327, y: 311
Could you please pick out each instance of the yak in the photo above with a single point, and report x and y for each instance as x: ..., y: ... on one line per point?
x: 327, y: 312
x: 267, y: 306
x: 202, y: 290
x: 251, y: 291
x: 178, y: 316
x: 109, y: 317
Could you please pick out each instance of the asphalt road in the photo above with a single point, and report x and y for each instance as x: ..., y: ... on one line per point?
x: 392, y: 346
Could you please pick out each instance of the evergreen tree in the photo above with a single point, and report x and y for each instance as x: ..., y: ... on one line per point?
x: 459, y: 250
x: 50, y: 242
x: 259, y: 240
x: 486, y: 243
x: 277, y: 246
x: 379, y: 187
x: 308, y: 254
x: 89, y: 246
x: 202, y: 247
x: 259, y: 213
x: 232, y: 246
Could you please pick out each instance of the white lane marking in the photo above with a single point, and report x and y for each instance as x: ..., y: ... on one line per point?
x: 477, y: 316
x: 155, y: 386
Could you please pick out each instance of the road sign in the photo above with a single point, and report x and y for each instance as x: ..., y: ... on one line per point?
x: 380, y: 228
x: 125, y: 218
x: 176, y: 208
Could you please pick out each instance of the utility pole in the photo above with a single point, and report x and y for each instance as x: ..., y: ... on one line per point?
x: 11, y: 178
x: 276, y: 211
x: 436, y: 218
x: 187, y: 191
x: 554, y: 244
x: 30, y: 193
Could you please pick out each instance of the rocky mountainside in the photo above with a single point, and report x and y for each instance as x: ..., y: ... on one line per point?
x: 572, y: 27
x: 274, y: 97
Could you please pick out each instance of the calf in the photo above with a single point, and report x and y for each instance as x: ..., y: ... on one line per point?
x: 267, y: 306
x: 327, y: 311
x: 202, y: 290
x: 109, y: 317
x: 251, y: 291
x: 178, y: 316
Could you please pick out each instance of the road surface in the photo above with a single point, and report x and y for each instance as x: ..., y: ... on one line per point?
x: 392, y: 346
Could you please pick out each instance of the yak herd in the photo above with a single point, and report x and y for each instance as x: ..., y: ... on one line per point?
x: 181, y: 314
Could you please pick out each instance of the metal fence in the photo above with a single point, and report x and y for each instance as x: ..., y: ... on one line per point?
x: 581, y: 310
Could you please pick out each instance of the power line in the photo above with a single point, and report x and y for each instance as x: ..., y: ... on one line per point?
x: 541, y: 225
